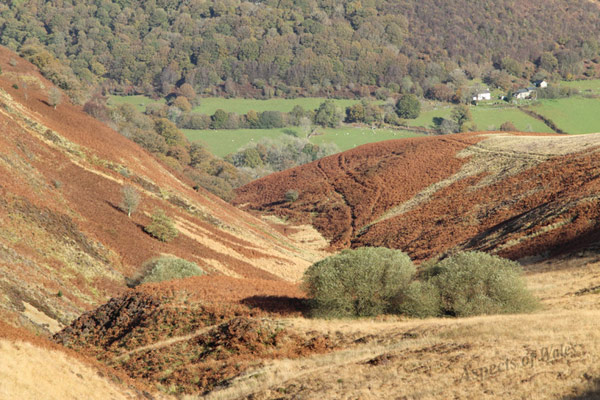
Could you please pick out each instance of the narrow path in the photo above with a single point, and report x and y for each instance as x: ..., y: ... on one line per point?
x: 166, y: 342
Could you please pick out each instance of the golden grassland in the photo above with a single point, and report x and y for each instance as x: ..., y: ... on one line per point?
x: 553, y: 353
x: 31, y: 372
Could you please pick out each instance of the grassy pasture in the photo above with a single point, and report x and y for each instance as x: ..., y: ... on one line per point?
x: 485, y: 117
x: 573, y: 114
x: 140, y: 102
x: 208, y: 105
x: 241, y: 106
x: 223, y: 142
x: 591, y: 86
x: 349, y: 137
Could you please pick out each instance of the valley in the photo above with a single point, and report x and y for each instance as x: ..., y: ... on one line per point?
x: 299, y: 199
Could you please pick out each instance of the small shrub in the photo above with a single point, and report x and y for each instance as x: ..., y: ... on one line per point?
x: 15, y: 86
x: 125, y: 172
x: 12, y: 62
x: 508, y: 127
x: 57, y: 184
x: 161, y: 227
x: 166, y: 268
x: 474, y: 283
x: 357, y: 283
x: 291, y: 196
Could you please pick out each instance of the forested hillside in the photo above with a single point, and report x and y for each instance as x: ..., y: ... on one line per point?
x: 298, y: 47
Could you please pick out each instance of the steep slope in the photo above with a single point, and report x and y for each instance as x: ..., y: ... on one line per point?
x: 515, y: 195
x: 66, y: 246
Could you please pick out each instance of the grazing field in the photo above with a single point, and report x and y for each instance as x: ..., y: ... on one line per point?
x: 572, y: 115
x: 209, y: 105
x: 587, y: 86
x: 427, y: 116
x: 347, y: 138
x: 140, y: 102
x: 223, y: 142
x: 241, y: 106
x: 490, y: 119
x: 485, y: 117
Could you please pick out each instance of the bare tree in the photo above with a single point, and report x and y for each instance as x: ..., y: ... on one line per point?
x: 131, y: 199
x: 54, y: 97
x: 25, y: 88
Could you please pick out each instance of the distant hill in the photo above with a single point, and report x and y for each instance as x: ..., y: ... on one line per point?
x: 65, y: 244
x: 286, y: 48
x: 515, y: 195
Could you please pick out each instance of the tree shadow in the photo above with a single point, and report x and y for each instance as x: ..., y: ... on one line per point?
x: 281, y: 305
x: 119, y: 209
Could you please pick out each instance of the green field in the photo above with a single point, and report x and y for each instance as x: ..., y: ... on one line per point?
x: 209, y: 105
x: 573, y: 114
x: 140, y: 102
x: 489, y: 119
x: 590, y: 86
x: 223, y: 142
x: 485, y: 117
x: 241, y: 106
x: 348, y: 138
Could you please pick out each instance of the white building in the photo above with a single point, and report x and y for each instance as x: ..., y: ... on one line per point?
x: 541, y: 84
x: 482, y: 95
x: 524, y: 93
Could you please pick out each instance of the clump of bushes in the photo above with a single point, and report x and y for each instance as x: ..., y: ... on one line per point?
x: 474, y: 283
x: 166, y: 268
x: 358, y: 283
x: 372, y: 281
x: 161, y: 227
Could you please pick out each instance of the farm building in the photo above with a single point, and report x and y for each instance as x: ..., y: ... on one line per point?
x: 482, y: 95
x: 524, y: 93
x: 541, y: 84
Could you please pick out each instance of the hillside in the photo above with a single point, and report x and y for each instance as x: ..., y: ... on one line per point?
x: 512, y: 194
x: 286, y: 48
x: 65, y: 244
x: 167, y: 337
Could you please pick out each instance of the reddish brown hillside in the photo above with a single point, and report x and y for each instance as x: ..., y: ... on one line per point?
x: 517, y: 195
x: 65, y: 245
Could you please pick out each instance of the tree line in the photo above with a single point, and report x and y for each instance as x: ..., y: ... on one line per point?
x: 291, y: 48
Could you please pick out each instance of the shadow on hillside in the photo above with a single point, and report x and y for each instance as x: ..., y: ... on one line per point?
x: 281, y: 305
x: 586, y: 244
x: 120, y: 210
x: 592, y: 394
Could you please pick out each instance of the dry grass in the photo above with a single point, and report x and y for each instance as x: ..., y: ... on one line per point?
x: 428, y: 359
x: 30, y: 372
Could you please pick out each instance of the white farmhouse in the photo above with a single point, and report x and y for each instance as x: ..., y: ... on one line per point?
x: 482, y: 95
x: 541, y: 84
x: 524, y: 93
